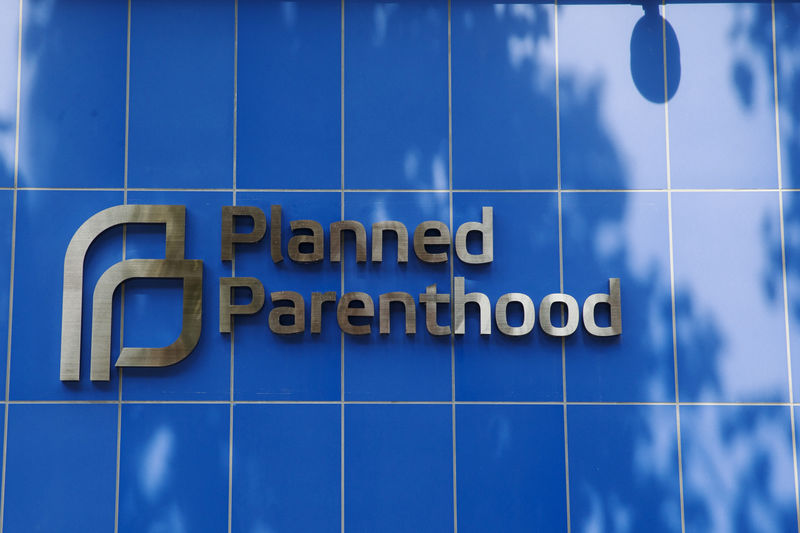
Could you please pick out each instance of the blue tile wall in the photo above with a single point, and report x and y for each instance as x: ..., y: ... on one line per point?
x: 610, y: 143
x: 162, y: 443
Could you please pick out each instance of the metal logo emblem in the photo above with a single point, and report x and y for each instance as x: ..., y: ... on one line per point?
x: 172, y: 266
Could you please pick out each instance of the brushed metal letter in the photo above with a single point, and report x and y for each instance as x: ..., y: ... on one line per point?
x: 377, y: 240
x: 430, y: 298
x: 336, y: 240
x: 344, y: 312
x: 409, y: 309
x: 486, y: 229
x: 459, y: 302
x: 315, y: 239
x: 190, y: 271
x: 317, y: 299
x: 613, y: 300
x: 297, y: 310
x: 421, y: 241
x: 275, y: 214
x: 226, y: 306
x: 172, y: 216
x: 528, y: 314
x: 229, y: 237
x: 572, y: 315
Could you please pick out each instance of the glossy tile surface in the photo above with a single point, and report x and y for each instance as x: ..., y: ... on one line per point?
x: 722, y: 117
x: 497, y: 367
x: 162, y: 444
x: 395, y: 118
x: 396, y: 366
x: 737, y: 468
x: 9, y: 53
x: 623, y: 468
x: 289, y: 91
x: 269, y: 493
x: 504, y: 96
x: 398, y: 463
x: 72, y: 100
x: 60, y: 458
x: 189, y: 50
x: 729, y: 297
x: 510, y: 467
x: 625, y: 236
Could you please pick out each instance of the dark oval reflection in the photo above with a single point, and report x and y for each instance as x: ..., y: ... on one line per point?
x: 647, y: 59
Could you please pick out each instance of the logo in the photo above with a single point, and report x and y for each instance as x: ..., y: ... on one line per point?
x: 173, y: 217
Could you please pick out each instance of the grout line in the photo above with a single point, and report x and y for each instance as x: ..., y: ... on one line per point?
x: 783, y: 264
x: 399, y: 402
x: 452, y: 259
x: 233, y: 259
x: 672, y: 267
x: 124, y: 253
x: 341, y: 334
x: 11, y: 267
x: 410, y: 191
x: 561, y: 269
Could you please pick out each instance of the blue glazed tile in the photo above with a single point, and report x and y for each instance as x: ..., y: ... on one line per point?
x: 38, y: 284
x: 737, y: 469
x: 396, y: 95
x: 396, y: 366
x: 72, y: 104
x: 722, y: 117
x: 61, y: 468
x: 504, y: 96
x: 791, y: 215
x: 286, y: 468
x: 181, y: 126
x: 154, y: 308
x: 625, y: 236
x: 611, y: 90
x: 398, y: 468
x: 497, y: 367
x: 289, y: 89
x: 6, y: 207
x: 728, y: 297
x: 787, y: 41
x: 9, y: 30
x: 174, y: 468
x: 510, y: 468
x: 301, y: 366
x: 623, y: 468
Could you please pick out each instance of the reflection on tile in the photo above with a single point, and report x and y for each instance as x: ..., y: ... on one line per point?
x: 623, y: 468
x: 6, y: 207
x: 286, y: 468
x: 791, y: 221
x: 787, y: 41
x: 289, y: 98
x: 61, y: 467
x: 174, y: 468
x: 496, y: 367
x: 396, y: 366
x: 72, y: 102
x: 181, y: 127
x: 398, y: 468
x: 301, y: 366
x: 396, y: 118
x: 154, y: 308
x: 510, y: 468
x: 611, y: 135
x: 722, y: 118
x: 729, y: 297
x: 625, y: 236
x: 504, y: 96
x: 9, y: 35
x: 737, y: 469
x: 38, y: 284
